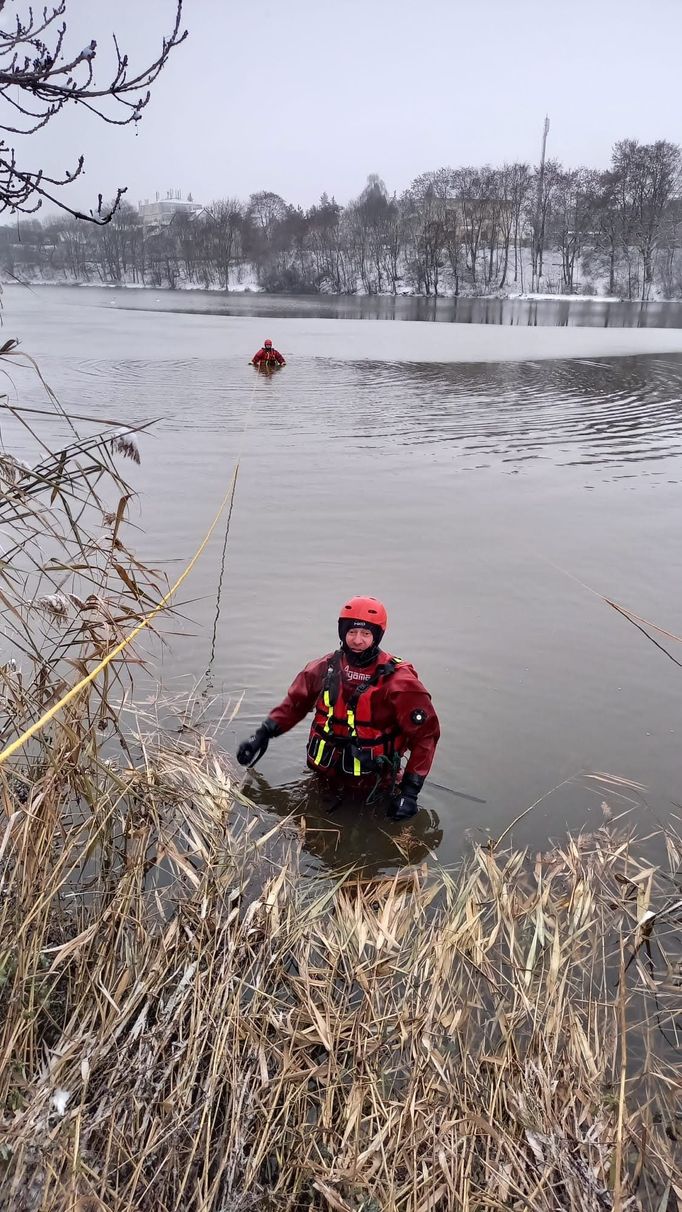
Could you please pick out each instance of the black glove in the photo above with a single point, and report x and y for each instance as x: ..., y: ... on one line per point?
x: 404, y: 804
x: 251, y: 751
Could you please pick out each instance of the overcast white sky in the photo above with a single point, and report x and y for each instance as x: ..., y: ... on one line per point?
x: 303, y: 96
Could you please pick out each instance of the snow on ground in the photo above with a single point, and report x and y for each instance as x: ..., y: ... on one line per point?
x: 244, y: 279
x: 532, y: 296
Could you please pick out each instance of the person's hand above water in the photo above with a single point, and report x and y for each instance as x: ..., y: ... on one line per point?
x: 252, y: 750
x: 403, y: 804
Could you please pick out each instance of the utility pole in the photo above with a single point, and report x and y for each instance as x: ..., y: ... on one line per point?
x: 539, y: 216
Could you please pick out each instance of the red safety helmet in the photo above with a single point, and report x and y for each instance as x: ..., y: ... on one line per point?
x: 368, y: 612
x: 268, y: 344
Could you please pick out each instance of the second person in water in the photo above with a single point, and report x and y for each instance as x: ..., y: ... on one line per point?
x: 268, y: 356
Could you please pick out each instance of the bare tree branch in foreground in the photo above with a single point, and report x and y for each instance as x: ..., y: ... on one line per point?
x: 38, y: 78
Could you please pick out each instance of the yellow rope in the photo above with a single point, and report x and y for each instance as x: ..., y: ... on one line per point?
x: 71, y: 694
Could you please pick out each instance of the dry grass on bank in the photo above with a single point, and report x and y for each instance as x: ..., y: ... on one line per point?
x: 247, y: 1037
x: 186, y: 1023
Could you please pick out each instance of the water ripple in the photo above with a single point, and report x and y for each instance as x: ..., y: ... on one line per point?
x: 601, y: 411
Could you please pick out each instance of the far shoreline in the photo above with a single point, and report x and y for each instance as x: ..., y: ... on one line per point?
x: 254, y: 291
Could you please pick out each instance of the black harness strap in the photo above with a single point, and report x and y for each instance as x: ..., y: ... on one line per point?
x: 333, y: 679
x: 382, y: 671
x: 332, y: 684
x: 358, y: 756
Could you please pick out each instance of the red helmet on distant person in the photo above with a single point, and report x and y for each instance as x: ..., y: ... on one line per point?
x: 268, y: 344
x: 363, y: 612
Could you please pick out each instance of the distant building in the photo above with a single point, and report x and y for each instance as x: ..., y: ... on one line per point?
x: 486, y: 214
x: 162, y: 211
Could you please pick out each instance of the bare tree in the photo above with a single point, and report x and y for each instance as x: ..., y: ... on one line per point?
x: 546, y: 179
x: 494, y: 206
x: 445, y: 224
x: 426, y: 221
x: 516, y: 181
x: 73, y: 250
x: 40, y: 77
x: 121, y: 246
x: 669, y: 269
x: 649, y: 178
x: 572, y: 213
x: 186, y: 229
x: 329, y: 256
x: 603, y: 250
x: 265, y: 216
x: 453, y: 228
x: 375, y: 233
x: 222, y: 227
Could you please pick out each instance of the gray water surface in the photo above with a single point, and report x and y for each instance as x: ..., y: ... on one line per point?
x: 481, y: 500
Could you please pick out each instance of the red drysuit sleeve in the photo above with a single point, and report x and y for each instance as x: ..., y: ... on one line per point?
x: 416, y: 718
x: 301, y: 695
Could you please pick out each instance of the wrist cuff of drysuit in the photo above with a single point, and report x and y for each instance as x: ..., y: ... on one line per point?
x: 271, y: 727
x: 411, y: 784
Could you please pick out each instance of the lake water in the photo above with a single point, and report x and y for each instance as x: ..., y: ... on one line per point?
x: 481, y: 479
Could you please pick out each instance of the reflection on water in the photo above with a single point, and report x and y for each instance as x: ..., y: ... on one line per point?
x: 346, y: 835
x: 561, y: 313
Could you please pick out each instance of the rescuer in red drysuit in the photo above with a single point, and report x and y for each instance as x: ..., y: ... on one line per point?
x: 268, y: 355
x: 369, y: 709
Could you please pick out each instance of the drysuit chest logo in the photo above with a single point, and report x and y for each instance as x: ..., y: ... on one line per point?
x: 355, y: 675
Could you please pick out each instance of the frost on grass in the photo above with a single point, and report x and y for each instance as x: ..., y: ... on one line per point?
x: 124, y: 444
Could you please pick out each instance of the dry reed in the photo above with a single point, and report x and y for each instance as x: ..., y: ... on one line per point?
x: 187, y: 1023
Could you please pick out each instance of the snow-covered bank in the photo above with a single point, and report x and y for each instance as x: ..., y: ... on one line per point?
x: 535, y: 297
x: 250, y: 286
x: 244, y: 280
